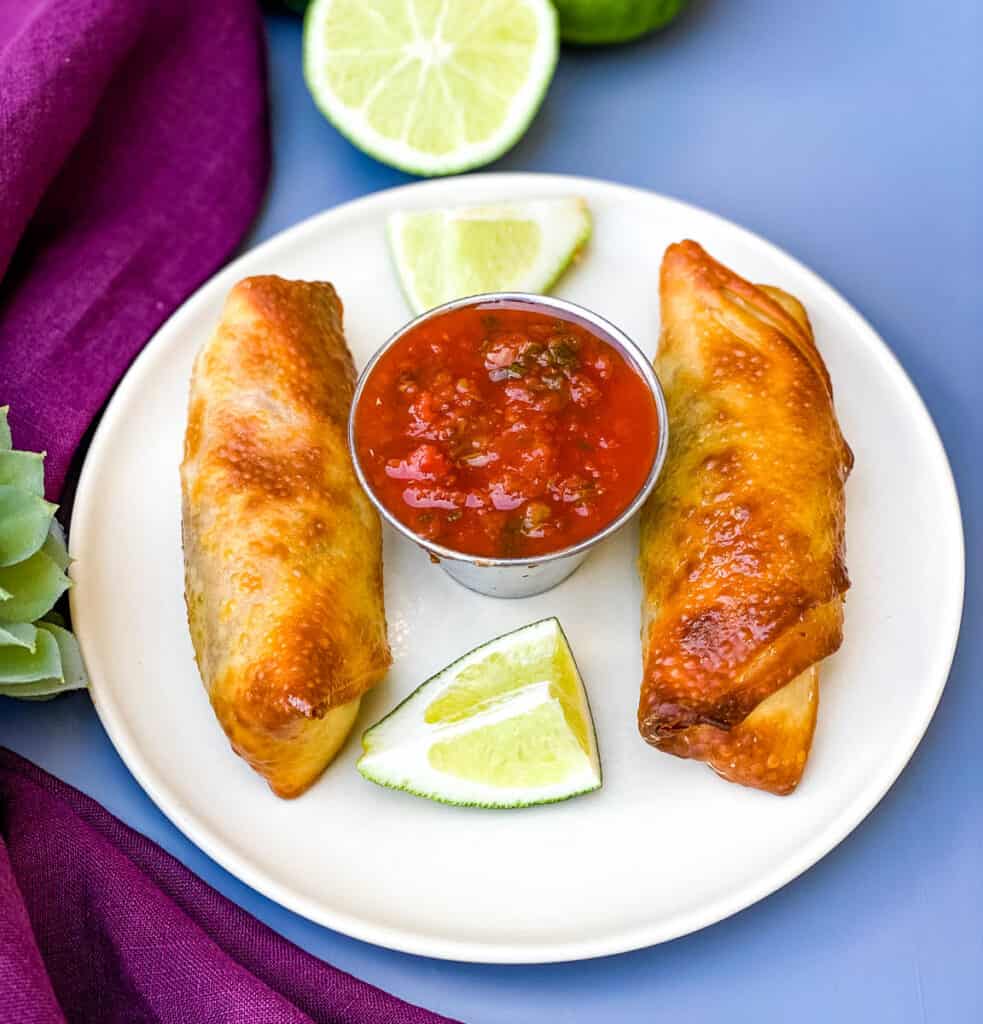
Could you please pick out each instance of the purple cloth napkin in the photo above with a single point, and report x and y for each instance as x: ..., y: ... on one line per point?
x: 99, y: 925
x: 134, y: 153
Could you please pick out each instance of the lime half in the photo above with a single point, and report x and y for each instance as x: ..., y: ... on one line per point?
x: 450, y: 253
x: 430, y: 86
x: 507, y: 725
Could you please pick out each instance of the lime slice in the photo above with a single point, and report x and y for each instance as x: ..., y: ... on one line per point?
x: 613, y: 21
x: 430, y: 86
x: 448, y: 253
x: 507, y: 725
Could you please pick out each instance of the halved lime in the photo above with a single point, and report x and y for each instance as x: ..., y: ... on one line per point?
x: 430, y: 86
x: 507, y: 725
x: 448, y: 253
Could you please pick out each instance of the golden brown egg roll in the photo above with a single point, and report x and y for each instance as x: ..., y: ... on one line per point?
x: 742, y: 542
x: 282, y: 549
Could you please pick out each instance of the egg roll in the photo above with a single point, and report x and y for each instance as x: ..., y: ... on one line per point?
x: 282, y: 549
x: 742, y: 553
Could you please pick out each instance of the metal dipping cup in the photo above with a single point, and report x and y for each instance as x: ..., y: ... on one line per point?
x: 522, y: 577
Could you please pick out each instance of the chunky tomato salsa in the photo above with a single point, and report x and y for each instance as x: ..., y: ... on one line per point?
x: 504, y: 431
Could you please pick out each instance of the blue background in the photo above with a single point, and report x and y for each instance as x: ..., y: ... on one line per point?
x: 849, y: 133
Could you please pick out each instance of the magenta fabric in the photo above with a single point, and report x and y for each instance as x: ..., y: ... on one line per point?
x: 134, y: 153
x: 99, y: 925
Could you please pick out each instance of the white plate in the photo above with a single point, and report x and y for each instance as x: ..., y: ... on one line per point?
x: 665, y: 847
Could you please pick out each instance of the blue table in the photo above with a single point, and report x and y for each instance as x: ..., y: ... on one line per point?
x: 850, y: 134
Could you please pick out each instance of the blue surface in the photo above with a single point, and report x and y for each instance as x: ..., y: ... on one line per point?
x: 850, y: 134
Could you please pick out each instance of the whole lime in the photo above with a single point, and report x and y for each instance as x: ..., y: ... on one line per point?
x: 613, y: 21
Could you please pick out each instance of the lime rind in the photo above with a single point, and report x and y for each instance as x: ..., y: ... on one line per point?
x: 398, y: 750
x: 601, y: 22
x: 476, y: 802
x: 408, y: 39
x: 527, y: 248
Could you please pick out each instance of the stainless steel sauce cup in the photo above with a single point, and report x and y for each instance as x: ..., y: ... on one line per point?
x: 522, y: 577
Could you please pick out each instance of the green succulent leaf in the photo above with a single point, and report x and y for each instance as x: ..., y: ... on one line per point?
x: 33, y: 587
x: 70, y: 676
x: 24, y: 523
x: 18, y: 665
x: 73, y: 672
x: 18, y: 634
x: 38, y: 659
x: 44, y: 689
x: 55, y: 547
x: 24, y: 470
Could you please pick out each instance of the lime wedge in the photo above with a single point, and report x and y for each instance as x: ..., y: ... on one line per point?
x: 430, y: 86
x: 449, y: 253
x: 507, y: 725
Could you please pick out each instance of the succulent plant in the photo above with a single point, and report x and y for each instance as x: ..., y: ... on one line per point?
x: 38, y: 656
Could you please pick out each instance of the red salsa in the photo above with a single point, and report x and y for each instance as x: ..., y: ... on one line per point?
x: 504, y: 430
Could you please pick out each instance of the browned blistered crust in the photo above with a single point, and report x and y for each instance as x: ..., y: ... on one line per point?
x: 742, y: 550
x: 283, y: 563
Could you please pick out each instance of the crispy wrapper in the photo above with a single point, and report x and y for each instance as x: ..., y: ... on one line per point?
x: 283, y: 551
x: 742, y: 543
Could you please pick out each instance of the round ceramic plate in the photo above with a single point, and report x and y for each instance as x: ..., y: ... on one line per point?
x: 665, y: 847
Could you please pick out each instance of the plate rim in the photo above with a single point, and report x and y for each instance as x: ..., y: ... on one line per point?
x: 223, y: 852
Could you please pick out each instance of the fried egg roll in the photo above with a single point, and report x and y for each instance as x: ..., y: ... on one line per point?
x: 282, y: 549
x: 742, y: 542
